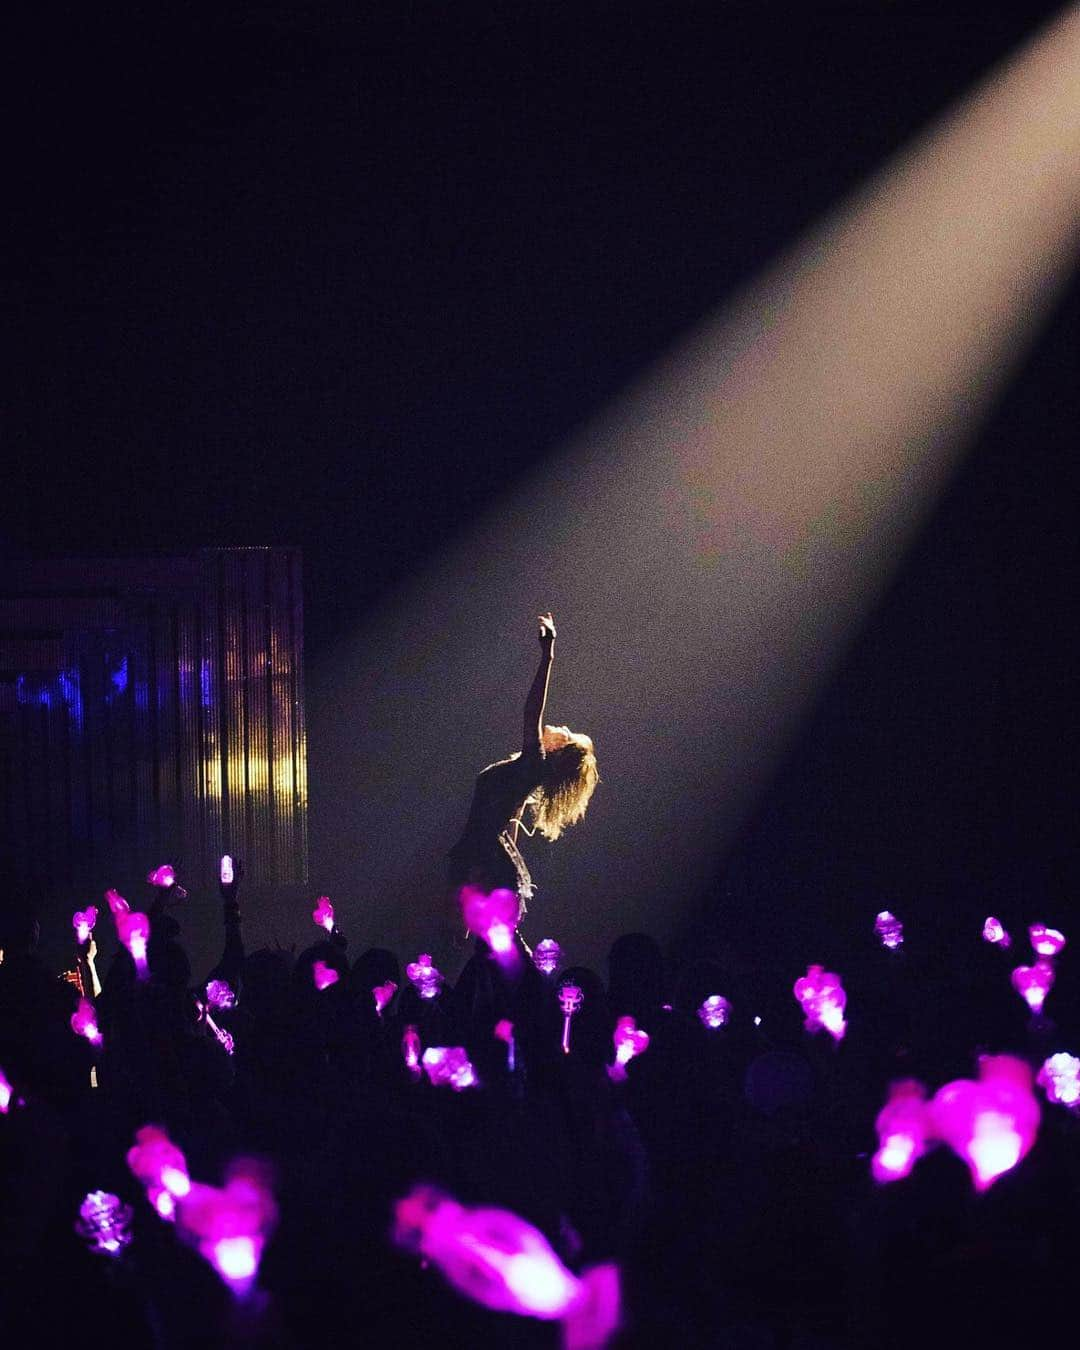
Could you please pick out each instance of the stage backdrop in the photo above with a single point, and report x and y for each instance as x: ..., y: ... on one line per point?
x: 152, y: 710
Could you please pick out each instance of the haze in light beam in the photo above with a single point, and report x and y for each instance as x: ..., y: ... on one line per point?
x: 708, y: 546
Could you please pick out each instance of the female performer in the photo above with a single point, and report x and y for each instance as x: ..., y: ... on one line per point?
x: 553, y: 776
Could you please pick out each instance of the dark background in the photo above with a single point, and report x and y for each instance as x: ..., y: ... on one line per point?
x: 340, y: 275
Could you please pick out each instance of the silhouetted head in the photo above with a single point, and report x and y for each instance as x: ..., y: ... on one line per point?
x: 569, y: 779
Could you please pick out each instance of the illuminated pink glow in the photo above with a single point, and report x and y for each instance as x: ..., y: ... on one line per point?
x: 161, y: 1168
x: 491, y: 1256
x: 323, y: 913
x: 324, y: 975
x: 410, y: 1049
x: 1045, y: 941
x: 823, y: 1001
x: 84, y: 1022
x: 226, y: 872
x: 570, y: 998
x: 590, y: 1323
x: 994, y: 933
x: 494, y: 918
x: 889, y: 929
x: 6, y: 1093
x: 547, y: 955
x: 629, y: 1043
x: 219, y: 994
x: 1059, y: 1078
x: 83, y: 921
x: 992, y: 1123
x: 448, y: 1066
x: 715, y: 1012
x: 229, y: 1227
x: 133, y: 930
x: 117, y: 903
x: 382, y: 994
x: 504, y: 1031
x: 426, y: 980
x: 904, y: 1127
x: 163, y: 876
x: 1033, y: 983
x: 223, y: 1037
x: 104, y: 1223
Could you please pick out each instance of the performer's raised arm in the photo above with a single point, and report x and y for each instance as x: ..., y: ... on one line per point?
x: 532, y: 740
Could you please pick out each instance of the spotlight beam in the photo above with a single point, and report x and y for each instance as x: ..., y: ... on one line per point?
x: 708, y: 546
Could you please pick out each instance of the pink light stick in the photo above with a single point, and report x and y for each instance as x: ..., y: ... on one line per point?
x: 382, y: 994
x: 410, y: 1049
x: 904, y: 1126
x: 1045, y: 941
x: 448, y: 1066
x: 117, y: 903
x: 994, y: 933
x: 219, y: 994
x: 591, y: 1323
x: 161, y: 1168
x: 323, y: 913
x: 715, y: 1012
x: 571, y: 998
x: 1033, y: 983
x: 164, y: 877
x: 823, y: 999
x: 104, y: 1223
x: 491, y: 1256
x: 504, y: 1031
x: 546, y: 956
x: 324, y: 975
x: 629, y: 1043
x: 226, y: 870
x: 1059, y: 1078
x: 83, y: 921
x: 223, y: 1037
x: 229, y: 1227
x: 494, y: 918
x: 992, y: 1123
x: 6, y: 1093
x: 133, y: 930
x: 889, y: 929
x: 84, y: 1022
x: 426, y: 980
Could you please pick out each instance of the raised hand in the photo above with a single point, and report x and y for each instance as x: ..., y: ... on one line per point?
x: 547, y: 630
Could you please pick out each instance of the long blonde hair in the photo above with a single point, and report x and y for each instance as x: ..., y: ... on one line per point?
x: 570, y: 778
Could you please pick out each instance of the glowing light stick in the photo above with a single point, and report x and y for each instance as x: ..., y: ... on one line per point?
x: 161, y: 1168
x: 117, y: 903
x: 1045, y: 941
x: 547, y: 956
x: 104, y: 1223
x: 83, y: 921
x: 1033, y: 983
x: 133, y: 930
x: 904, y: 1127
x: 323, y: 913
x: 629, y: 1043
x: 715, y: 1012
x: 410, y: 1049
x: 570, y: 998
x: 889, y: 929
x: 226, y: 870
x: 324, y: 975
x: 994, y: 933
x: 426, y: 980
x: 164, y: 877
x: 494, y: 918
x: 219, y: 994
x: 504, y: 1031
x: 382, y: 994
x: 992, y: 1123
x: 491, y: 1256
x: 823, y: 1000
x: 6, y: 1093
x: 1059, y: 1078
x: 229, y: 1227
x: 223, y: 1037
x: 84, y: 1022
x: 448, y: 1066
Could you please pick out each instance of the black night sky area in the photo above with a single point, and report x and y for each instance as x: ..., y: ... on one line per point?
x: 339, y: 275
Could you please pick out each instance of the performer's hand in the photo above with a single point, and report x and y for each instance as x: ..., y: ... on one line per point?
x: 547, y: 630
